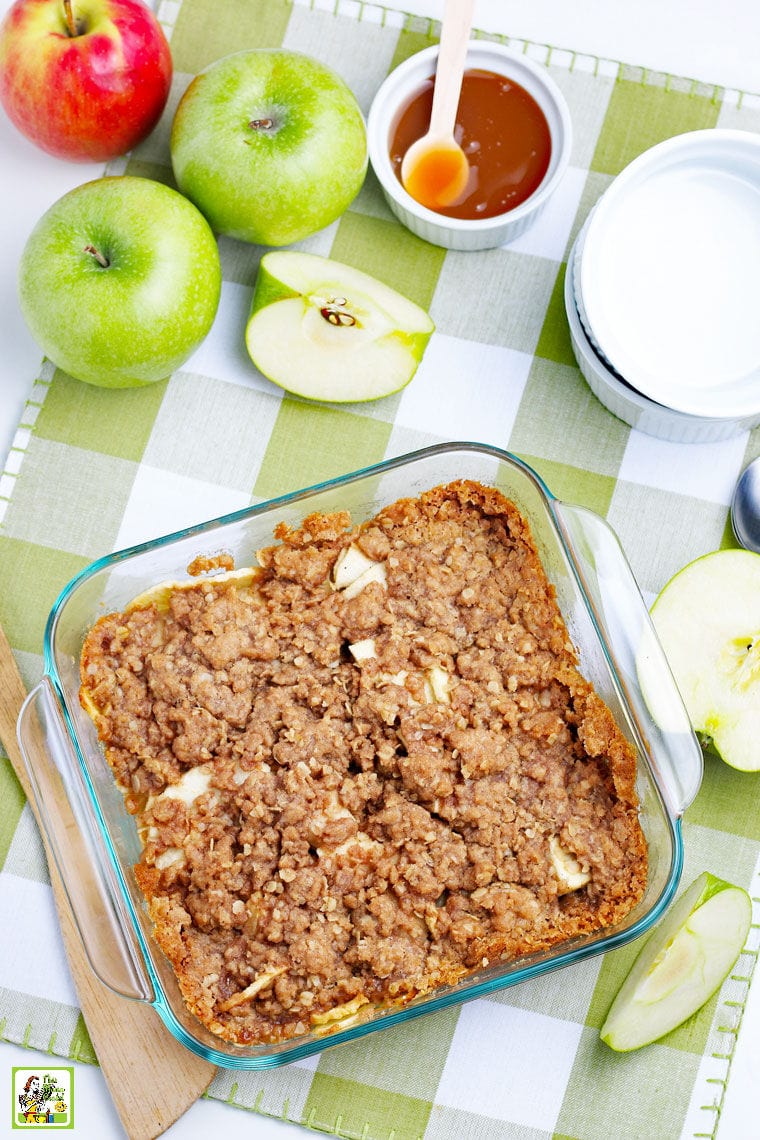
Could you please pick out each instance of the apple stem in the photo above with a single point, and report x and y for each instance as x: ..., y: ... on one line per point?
x: 71, y: 23
x: 99, y: 257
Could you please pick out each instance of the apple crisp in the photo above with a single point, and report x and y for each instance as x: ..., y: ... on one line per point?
x: 366, y: 767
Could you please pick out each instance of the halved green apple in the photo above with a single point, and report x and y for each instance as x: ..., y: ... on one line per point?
x: 707, y: 619
x: 681, y: 966
x: 327, y: 331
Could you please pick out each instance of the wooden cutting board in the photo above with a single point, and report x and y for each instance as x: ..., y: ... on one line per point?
x: 130, y: 1041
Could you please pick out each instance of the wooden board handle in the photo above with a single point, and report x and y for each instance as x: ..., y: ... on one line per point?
x: 130, y: 1041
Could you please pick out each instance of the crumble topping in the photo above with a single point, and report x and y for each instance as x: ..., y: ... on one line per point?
x: 365, y: 768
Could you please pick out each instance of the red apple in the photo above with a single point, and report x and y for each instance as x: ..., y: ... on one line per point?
x: 86, y: 80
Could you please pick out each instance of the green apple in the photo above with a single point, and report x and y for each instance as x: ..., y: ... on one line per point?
x: 707, y: 619
x: 681, y: 965
x: 119, y: 281
x: 270, y: 144
x: 327, y: 331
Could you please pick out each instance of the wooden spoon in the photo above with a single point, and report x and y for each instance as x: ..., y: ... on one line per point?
x: 435, y: 170
x: 131, y: 1043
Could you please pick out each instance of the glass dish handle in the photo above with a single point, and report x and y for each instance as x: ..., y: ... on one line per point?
x: 621, y: 613
x: 78, y: 846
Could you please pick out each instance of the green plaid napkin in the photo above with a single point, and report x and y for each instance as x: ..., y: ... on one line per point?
x: 94, y: 470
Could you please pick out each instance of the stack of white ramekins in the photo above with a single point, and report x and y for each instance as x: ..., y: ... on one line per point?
x: 662, y: 289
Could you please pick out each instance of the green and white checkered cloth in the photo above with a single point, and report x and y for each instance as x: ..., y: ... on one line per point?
x: 93, y: 470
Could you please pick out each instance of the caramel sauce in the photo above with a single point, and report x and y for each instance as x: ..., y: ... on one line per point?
x: 503, y: 132
x: 438, y: 176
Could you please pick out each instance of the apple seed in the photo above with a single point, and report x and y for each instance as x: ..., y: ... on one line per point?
x: 337, y: 316
x: 335, y: 312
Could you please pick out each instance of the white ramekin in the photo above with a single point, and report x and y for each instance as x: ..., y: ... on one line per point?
x: 457, y: 233
x: 666, y: 281
x: 626, y: 402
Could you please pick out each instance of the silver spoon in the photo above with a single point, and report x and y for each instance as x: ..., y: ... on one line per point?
x: 745, y: 507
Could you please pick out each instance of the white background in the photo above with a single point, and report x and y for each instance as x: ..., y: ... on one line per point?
x: 718, y: 42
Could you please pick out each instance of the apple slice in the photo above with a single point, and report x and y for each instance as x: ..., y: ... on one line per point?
x: 349, y: 566
x: 682, y: 964
x: 707, y: 618
x: 160, y: 594
x: 327, y: 331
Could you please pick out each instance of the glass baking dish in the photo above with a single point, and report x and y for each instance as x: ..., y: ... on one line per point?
x: 95, y: 841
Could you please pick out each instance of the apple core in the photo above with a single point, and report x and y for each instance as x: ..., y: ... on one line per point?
x: 335, y: 312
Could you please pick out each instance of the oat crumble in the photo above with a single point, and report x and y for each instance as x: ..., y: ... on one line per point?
x: 364, y: 769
